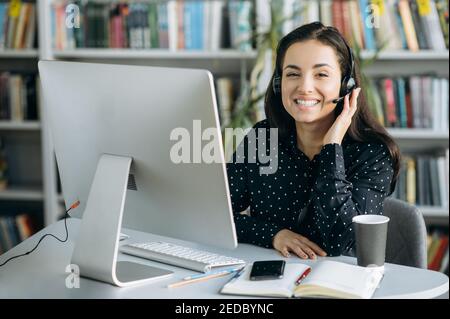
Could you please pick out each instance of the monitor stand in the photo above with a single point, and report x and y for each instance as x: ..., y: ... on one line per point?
x: 96, y: 247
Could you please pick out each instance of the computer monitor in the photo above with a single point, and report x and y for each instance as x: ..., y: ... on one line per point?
x: 154, y: 117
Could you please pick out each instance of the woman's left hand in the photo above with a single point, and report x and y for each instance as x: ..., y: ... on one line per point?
x: 340, y: 126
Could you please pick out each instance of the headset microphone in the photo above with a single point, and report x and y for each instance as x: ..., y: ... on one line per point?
x: 335, y: 101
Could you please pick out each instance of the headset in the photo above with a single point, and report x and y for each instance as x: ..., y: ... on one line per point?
x: 348, y: 83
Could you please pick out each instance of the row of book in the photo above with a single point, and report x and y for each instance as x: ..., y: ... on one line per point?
x: 398, y: 102
x: 3, y: 167
x: 174, y: 25
x: 398, y: 24
x: 411, y: 102
x: 14, y: 229
x: 424, y: 180
x: 18, y: 96
x: 17, y: 25
x: 437, y: 251
x: 226, y: 96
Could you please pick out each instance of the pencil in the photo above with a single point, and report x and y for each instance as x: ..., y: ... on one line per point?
x: 185, y: 282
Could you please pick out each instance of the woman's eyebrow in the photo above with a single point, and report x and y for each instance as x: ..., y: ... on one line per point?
x: 318, y: 65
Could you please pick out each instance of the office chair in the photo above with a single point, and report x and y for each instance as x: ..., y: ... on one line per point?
x: 406, y: 238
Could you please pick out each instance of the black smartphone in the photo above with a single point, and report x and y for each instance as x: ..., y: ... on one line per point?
x: 268, y: 269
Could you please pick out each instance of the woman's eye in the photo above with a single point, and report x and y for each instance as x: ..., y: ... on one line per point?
x: 323, y: 75
x: 292, y: 74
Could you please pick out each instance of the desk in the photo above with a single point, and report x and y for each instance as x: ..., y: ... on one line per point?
x: 42, y: 274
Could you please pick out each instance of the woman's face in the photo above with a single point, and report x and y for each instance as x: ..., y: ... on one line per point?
x: 311, y: 79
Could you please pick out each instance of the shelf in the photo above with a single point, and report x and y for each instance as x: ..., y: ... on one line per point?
x: 218, y: 62
x: 152, y: 54
x: 224, y: 54
x: 418, y: 140
x: 233, y: 61
x: 21, y: 54
x: 21, y: 193
x: 418, y: 134
x: 434, y: 212
x: 408, y: 55
x: 421, y: 62
x: 20, y: 126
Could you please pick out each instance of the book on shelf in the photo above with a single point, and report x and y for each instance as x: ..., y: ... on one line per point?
x: 18, y: 96
x: 394, y: 24
x: 225, y: 99
x: 326, y: 279
x: 14, y: 229
x: 180, y: 24
x: 423, y: 181
x: 437, y: 250
x: 3, y: 167
x: 173, y: 25
x: 411, y: 102
x: 17, y: 25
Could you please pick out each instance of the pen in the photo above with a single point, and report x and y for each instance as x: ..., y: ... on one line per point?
x: 303, y: 276
x: 228, y: 270
x: 237, y: 274
x: 199, y: 279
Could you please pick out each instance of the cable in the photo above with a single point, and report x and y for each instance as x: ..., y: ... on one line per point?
x: 74, y: 205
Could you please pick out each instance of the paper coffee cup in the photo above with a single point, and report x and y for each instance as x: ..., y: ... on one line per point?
x: 371, y: 235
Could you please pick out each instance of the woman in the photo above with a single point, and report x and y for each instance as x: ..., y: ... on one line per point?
x: 335, y: 161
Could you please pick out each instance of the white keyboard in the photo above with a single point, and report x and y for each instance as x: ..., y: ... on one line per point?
x: 181, y: 256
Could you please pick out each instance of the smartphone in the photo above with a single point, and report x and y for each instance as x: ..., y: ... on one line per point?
x: 268, y: 269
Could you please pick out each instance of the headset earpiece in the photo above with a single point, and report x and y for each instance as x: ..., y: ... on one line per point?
x: 347, y: 85
x: 348, y: 82
x: 276, y: 84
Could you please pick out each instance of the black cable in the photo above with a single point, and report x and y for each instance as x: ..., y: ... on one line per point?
x: 66, y: 214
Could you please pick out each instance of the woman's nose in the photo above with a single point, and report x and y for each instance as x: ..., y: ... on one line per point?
x: 305, y: 85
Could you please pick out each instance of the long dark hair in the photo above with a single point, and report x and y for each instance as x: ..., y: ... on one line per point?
x: 364, y: 127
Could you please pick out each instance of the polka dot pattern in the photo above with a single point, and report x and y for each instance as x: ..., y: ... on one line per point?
x: 340, y: 182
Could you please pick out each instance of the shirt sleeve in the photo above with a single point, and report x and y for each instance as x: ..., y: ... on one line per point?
x: 249, y: 229
x: 339, y: 194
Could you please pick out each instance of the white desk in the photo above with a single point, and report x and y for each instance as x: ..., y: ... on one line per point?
x: 43, y: 273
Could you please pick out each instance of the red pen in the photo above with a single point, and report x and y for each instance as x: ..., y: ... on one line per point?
x: 303, y: 276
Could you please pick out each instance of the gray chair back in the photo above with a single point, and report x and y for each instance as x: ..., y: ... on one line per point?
x: 407, y: 234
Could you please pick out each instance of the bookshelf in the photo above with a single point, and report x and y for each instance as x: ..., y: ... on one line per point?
x: 22, y: 198
x: 398, y: 62
x: 222, y: 62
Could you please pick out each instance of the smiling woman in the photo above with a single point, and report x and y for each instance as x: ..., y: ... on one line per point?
x: 310, y: 86
x: 335, y: 161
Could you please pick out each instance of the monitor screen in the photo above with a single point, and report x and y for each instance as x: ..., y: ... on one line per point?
x: 166, y: 120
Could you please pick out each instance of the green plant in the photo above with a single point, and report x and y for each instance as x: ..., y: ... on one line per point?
x: 246, y: 106
x: 367, y: 84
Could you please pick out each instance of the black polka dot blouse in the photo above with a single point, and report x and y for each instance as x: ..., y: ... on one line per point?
x: 316, y: 198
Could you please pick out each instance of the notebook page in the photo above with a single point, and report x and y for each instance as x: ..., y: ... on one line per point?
x: 277, y: 287
x: 349, y: 279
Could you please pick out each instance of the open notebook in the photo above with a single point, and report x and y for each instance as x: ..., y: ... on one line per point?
x: 327, y: 279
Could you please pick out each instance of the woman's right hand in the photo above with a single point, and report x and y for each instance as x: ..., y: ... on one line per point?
x: 286, y: 241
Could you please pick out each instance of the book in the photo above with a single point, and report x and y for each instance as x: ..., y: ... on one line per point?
x: 327, y: 279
